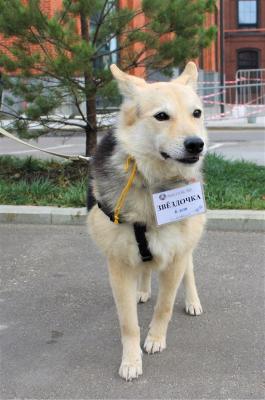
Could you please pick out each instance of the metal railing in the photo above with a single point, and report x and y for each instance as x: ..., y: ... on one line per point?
x: 242, y: 98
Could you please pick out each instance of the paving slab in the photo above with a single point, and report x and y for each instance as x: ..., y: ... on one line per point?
x: 60, y: 335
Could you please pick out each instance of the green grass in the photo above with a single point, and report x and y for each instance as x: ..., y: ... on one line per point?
x: 37, y: 182
x: 234, y: 184
x: 228, y: 185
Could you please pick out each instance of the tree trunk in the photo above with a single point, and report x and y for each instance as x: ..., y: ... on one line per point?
x: 91, y: 116
x: 91, y: 127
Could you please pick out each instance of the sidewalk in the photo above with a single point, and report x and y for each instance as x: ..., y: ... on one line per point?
x: 60, y: 334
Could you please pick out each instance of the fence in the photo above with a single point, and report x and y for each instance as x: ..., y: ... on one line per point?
x: 242, y: 98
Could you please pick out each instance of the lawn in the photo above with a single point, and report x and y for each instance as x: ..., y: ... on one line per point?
x: 234, y: 184
x: 42, y: 183
x: 228, y: 185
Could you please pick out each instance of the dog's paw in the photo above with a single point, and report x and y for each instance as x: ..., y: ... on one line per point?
x: 143, y: 297
x: 193, y: 308
x: 154, y: 344
x: 130, y: 370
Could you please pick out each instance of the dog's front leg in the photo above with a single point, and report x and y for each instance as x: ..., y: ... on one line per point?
x: 144, y: 285
x: 123, y: 279
x: 192, y: 301
x: 169, y: 281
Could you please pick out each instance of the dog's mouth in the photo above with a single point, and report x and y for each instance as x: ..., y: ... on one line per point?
x: 191, y: 159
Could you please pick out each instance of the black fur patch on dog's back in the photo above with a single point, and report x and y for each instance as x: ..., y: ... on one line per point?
x: 98, y: 166
x: 104, y: 151
x: 90, y: 200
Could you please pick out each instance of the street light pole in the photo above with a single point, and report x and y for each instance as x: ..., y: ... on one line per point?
x: 222, y: 56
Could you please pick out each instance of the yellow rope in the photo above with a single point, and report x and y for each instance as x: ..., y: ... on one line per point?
x: 126, y: 189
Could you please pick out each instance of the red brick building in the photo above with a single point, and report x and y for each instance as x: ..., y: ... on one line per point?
x: 244, y: 35
x: 208, y: 60
x: 209, y: 57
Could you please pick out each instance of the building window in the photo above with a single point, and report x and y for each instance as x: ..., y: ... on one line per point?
x: 247, y: 13
x: 248, y: 59
x: 249, y: 88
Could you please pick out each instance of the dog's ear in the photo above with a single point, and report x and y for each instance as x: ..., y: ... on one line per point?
x: 189, y: 76
x: 128, y: 84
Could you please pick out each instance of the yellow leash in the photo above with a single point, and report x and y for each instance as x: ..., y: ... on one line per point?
x: 126, y: 189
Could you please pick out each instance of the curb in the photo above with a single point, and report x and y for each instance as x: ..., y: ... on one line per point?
x: 236, y: 220
x: 235, y: 127
x: 42, y: 215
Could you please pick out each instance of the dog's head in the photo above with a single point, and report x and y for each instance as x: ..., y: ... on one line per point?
x: 161, y: 124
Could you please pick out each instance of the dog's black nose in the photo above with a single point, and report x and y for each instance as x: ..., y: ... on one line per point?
x: 194, y: 145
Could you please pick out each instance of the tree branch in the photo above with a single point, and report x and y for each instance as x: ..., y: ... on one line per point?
x: 99, y: 23
x: 109, y: 38
x: 65, y: 12
x: 63, y: 121
x: 60, y: 121
x: 79, y: 108
x: 41, y: 45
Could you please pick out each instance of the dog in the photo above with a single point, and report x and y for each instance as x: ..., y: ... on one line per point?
x: 158, y: 144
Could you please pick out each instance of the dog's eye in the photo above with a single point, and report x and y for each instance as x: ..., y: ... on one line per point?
x: 197, y: 113
x: 161, y: 116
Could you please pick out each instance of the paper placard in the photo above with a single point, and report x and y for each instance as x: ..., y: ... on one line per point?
x: 176, y: 204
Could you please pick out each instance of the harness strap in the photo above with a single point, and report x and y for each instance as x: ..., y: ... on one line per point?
x: 108, y: 214
x: 114, y: 216
x: 139, y: 233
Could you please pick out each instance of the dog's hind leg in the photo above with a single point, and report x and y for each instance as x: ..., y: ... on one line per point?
x: 123, y: 279
x: 169, y: 281
x: 192, y: 301
x: 144, y: 285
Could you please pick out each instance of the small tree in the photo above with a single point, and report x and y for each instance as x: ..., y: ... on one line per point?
x: 53, y: 58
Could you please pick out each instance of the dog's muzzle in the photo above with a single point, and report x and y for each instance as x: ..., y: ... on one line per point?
x: 193, y: 148
x: 194, y: 145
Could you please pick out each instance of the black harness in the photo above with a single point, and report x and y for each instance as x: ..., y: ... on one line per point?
x: 139, y: 233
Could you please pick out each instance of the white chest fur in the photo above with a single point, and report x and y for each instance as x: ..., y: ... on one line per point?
x: 165, y: 242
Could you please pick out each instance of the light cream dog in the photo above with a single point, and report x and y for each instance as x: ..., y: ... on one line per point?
x: 160, y: 126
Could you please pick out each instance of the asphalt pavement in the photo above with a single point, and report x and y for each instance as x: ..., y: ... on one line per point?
x: 60, y: 334
x: 247, y: 144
